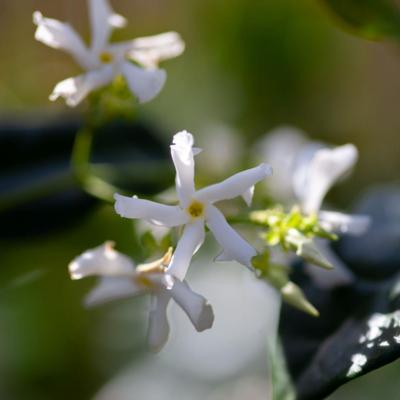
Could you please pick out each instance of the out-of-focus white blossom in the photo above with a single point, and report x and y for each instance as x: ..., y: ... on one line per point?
x: 305, y: 171
x: 196, y: 208
x: 225, y: 149
x: 280, y: 148
x: 137, y: 60
x: 314, y: 177
x: 120, y: 279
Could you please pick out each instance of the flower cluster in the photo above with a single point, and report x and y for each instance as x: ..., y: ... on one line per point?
x: 314, y: 170
x: 136, y: 60
x: 166, y: 277
x: 298, y: 231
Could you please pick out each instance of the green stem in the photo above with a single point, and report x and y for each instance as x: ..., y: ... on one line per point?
x: 80, y: 163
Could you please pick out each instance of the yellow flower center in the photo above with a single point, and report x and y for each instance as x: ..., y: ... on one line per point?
x: 196, y: 209
x: 106, y: 58
x: 143, y: 280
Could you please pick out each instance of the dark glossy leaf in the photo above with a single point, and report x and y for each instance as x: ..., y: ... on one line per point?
x: 359, y: 327
x: 358, y: 331
x: 373, y: 19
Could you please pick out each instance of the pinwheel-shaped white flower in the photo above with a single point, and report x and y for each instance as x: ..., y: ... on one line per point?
x: 103, y: 61
x: 120, y: 279
x: 313, y: 178
x: 196, y: 208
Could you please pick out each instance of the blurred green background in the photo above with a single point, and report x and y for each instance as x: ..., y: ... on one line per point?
x: 248, y: 67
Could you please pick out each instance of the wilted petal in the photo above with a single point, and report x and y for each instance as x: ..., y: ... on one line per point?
x: 151, y: 50
x: 326, y: 167
x: 145, y: 84
x: 102, y: 260
x: 103, y: 20
x: 159, y: 214
x: 344, y: 223
x: 60, y: 35
x: 234, y: 246
x: 158, y: 330
x: 190, y: 241
x: 195, y: 306
x: 240, y: 184
x: 112, y: 288
x: 182, y: 153
x: 74, y: 90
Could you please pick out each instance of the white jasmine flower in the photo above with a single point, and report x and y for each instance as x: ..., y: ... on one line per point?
x: 196, y: 208
x: 316, y: 175
x: 103, y: 61
x: 120, y: 279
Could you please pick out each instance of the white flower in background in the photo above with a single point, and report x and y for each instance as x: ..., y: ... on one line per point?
x: 135, y: 60
x: 196, y: 208
x: 315, y: 174
x: 317, y: 170
x: 280, y: 147
x: 120, y: 279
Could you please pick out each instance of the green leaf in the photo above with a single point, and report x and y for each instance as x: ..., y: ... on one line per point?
x: 373, y: 19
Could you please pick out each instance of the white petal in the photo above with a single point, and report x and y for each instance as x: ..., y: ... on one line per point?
x: 234, y: 246
x: 326, y: 167
x: 158, y: 330
x: 240, y: 184
x: 151, y: 50
x: 301, y: 166
x: 248, y: 196
x: 102, y: 260
x: 182, y: 153
x: 103, y: 20
x: 280, y: 148
x: 59, y: 35
x: 223, y: 257
x: 112, y: 288
x: 159, y: 214
x: 74, y: 90
x: 145, y: 84
x: 190, y: 241
x: 344, y: 223
x: 195, y: 306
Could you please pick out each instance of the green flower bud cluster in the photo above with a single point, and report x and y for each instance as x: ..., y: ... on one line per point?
x: 293, y: 232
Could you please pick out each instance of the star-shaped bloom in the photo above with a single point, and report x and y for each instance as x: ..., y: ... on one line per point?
x: 136, y: 60
x: 196, y: 208
x: 120, y: 279
x: 316, y: 173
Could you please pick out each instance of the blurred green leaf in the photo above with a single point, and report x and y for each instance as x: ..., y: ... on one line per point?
x: 373, y: 19
x: 282, y: 388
